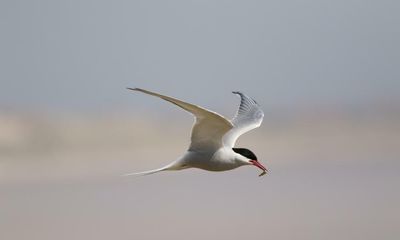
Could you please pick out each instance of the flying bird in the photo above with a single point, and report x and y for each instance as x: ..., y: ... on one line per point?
x: 213, y: 137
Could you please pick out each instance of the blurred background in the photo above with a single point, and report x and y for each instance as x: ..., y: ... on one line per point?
x: 325, y: 72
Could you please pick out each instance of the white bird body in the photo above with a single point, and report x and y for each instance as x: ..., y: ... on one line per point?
x: 213, y: 137
x: 221, y: 160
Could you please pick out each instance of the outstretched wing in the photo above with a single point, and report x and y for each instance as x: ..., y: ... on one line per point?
x: 208, y: 129
x: 248, y: 117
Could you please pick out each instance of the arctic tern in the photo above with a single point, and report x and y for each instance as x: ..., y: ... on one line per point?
x: 213, y: 137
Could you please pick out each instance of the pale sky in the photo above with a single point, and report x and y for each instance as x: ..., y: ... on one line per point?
x: 80, y: 55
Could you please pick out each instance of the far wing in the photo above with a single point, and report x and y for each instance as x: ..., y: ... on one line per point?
x: 208, y: 129
x: 248, y: 117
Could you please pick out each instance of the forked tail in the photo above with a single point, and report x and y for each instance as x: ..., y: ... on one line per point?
x: 172, y: 166
x: 146, y: 172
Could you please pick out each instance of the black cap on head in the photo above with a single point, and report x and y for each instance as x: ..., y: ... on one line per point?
x: 245, y: 152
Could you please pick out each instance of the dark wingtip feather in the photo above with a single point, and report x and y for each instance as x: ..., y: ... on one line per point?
x: 242, y: 95
x: 135, y: 89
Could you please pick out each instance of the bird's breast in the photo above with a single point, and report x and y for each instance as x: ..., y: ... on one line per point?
x: 220, y: 160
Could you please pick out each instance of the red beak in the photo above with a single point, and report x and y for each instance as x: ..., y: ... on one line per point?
x: 257, y: 164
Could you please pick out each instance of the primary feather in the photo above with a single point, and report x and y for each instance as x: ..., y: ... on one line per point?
x: 248, y: 116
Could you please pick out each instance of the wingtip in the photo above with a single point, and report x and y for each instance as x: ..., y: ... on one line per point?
x: 238, y: 93
x: 133, y: 89
x: 242, y: 95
